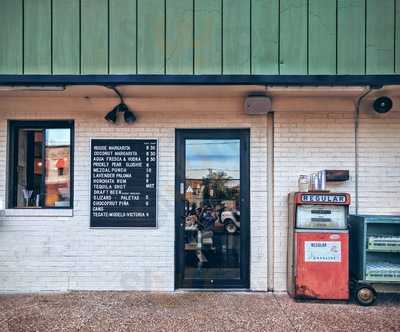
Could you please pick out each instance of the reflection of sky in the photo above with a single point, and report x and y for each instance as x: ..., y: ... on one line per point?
x: 58, y: 136
x: 217, y: 155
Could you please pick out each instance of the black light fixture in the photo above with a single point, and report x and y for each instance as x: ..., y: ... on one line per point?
x: 129, y: 117
x: 111, y: 116
x: 383, y: 104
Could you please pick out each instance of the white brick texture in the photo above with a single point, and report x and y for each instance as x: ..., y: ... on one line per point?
x: 47, y: 252
x: 40, y: 252
x: 305, y: 142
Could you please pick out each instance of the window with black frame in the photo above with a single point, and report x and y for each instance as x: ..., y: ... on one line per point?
x: 40, y: 164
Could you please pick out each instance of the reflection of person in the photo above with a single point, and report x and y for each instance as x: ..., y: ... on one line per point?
x: 207, y: 218
x: 186, y: 207
x: 190, y: 221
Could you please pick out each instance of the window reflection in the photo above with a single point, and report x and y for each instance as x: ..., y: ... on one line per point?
x: 204, y: 157
x: 57, y: 180
x: 212, y: 198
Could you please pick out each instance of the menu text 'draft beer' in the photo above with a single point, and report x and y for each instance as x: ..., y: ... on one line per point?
x: 123, y: 183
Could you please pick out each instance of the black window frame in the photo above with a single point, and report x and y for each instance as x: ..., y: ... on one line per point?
x: 13, y: 127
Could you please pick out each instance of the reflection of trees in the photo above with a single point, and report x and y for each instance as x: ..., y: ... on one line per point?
x: 217, y: 183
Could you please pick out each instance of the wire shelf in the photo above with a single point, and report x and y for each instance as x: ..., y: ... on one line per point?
x: 383, y: 272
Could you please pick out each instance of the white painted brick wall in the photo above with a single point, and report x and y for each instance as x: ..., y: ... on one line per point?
x: 305, y: 142
x: 57, y: 253
x: 379, y: 155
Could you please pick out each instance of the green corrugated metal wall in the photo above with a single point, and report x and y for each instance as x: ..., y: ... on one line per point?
x: 200, y: 37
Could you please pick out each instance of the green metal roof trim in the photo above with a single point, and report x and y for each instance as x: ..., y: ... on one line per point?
x: 200, y: 37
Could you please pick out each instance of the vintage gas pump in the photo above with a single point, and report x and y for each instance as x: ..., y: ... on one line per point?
x: 318, y: 245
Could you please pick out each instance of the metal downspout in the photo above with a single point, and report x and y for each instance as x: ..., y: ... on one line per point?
x: 356, y: 150
x: 270, y: 202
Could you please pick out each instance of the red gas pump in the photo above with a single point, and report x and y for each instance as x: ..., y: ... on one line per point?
x: 318, y: 245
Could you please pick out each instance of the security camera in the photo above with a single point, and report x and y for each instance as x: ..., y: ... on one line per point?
x: 383, y: 104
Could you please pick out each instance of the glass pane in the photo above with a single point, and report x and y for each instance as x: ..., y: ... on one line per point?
x: 212, y: 197
x: 57, y: 179
x: 29, y: 168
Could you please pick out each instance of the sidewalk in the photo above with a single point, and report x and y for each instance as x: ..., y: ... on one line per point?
x: 141, y: 311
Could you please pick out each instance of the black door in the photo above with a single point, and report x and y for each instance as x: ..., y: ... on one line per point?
x: 212, y: 208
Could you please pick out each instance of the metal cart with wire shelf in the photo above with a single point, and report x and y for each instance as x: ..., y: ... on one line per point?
x: 374, y: 256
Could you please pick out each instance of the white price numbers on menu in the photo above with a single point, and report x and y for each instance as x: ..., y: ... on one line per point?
x: 150, y: 158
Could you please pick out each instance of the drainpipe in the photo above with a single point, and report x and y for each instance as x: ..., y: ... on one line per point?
x: 270, y: 202
x: 357, y: 104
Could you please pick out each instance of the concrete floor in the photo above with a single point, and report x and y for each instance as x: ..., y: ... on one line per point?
x: 198, y: 311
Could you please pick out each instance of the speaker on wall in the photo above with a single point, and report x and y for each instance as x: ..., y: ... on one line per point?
x: 382, y: 104
x: 258, y: 105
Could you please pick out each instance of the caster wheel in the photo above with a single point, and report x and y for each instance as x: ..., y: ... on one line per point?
x: 365, y: 295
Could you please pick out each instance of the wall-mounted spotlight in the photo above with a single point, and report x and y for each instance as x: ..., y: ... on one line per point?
x: 383, y: 104
x: 129, y: 117
x: 111, y: 116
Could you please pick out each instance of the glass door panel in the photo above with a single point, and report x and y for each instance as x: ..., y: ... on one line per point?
x: 212, y: 211
x: 211, y: 229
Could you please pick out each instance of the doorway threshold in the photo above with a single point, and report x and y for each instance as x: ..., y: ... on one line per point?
x: 213, y: 290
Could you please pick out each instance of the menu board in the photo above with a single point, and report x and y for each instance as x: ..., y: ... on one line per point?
x: 123, y: 183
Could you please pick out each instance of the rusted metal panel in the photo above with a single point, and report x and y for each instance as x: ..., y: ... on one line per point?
x: 322, y: 265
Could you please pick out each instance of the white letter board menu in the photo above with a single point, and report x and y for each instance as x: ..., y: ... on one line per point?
x: 123, y: 183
